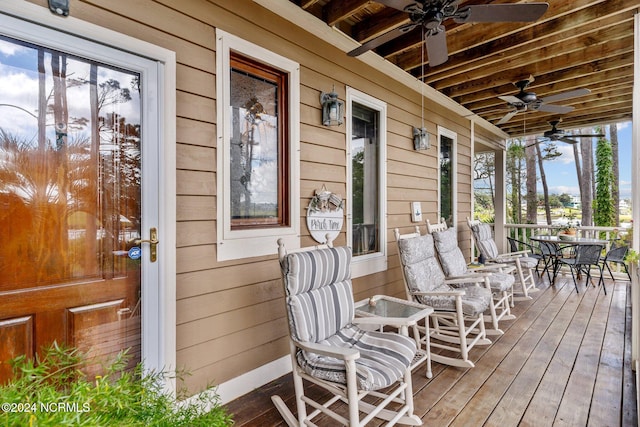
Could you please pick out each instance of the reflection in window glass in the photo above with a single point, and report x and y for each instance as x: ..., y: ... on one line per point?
x: 257, y: 170
x: 364, y: 185
x: 446, y: 179
x: 69, y: 166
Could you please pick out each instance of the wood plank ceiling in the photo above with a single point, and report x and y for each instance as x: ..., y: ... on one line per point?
x: 575, y: 44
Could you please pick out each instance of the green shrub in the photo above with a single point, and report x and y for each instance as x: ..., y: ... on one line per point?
x: 53, y: 391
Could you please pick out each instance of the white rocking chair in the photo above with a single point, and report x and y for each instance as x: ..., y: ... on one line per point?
x: 495, y: 279
x: 457, y: 319
x: 525, y: 265
x: 329, y: 349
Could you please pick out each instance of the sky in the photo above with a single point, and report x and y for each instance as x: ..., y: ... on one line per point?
x: 561, y: 172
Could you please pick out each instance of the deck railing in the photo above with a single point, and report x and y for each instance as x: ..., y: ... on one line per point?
x: 524, y: 231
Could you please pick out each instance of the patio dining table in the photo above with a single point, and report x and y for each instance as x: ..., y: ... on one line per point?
x: 559, y: 244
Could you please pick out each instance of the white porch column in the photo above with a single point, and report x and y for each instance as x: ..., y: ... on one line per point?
x: 635, y: 194
x: 500, y: 203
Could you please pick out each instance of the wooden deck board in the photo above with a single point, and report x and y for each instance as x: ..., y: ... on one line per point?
x: 565, y: 360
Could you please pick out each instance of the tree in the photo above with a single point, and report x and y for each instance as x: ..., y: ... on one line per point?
x: 550, y: 153
x: 483, y: 174
x: 585, y: 178
x: 515, y: 170
x: 531, y: 198
x: 603, y: 206
x: 615, y: 169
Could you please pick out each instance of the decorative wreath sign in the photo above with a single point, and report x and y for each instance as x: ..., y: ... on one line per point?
x: 325, y: 215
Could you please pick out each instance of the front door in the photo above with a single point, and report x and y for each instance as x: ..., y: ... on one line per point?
x: 72, y: 137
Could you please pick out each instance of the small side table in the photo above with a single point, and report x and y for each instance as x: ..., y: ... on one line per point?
x: 401, y: 314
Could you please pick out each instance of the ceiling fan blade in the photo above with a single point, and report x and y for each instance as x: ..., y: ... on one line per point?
x: 382, y: 39
x: 437, y: 51
x: 568, y: 140
x: 511, y: 99
x: 552, y: 108
x: 397, y: 4
x: 527, y: 12
x: 594, y: 135
x: 566, y: 95
x: 507, y: 117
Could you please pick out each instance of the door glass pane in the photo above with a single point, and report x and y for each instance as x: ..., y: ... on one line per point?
x: 364, y: 180
x: 446, y: 179
x: 70, y: 204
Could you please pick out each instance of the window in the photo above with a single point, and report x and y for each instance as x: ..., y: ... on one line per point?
x: 257, y: 174
x: 447, y: 176
x: 258, y: 145
x: 366, y: 186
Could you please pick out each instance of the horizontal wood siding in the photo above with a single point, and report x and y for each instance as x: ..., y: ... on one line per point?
x: 230, y: 315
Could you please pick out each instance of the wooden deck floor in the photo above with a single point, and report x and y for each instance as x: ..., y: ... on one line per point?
x: 564, y: 361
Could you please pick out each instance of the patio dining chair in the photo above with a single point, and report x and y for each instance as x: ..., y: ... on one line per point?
x: 498, y: 283
x: 516, y: 245
x: 586, y: 256
x: 486, y: 245
x: 457, y: 319
x: 366, y: 369
x: 616, y: 255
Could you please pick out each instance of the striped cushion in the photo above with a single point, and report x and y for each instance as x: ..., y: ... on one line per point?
x: 450, y: 255
x: 321, y: 310
x: 484, y: 240
x: 384, y: 358
x: 319, y: 293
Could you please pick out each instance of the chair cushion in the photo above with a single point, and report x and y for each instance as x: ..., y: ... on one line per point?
x: 475, y: 301
x: 484, y: 240
x: 384, y: 358
x: 501, y: 281
x: 423, y: 274
x: 528, y: 262
x: 451, y: 257
x: 318, y: 290
x: 421, y: 268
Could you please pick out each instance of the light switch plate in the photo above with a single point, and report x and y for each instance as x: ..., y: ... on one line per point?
x: 416, y: 212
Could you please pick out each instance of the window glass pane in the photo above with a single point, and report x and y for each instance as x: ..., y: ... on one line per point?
x: 364, y: 176
x: 446, y: 179
x: 256, y: 181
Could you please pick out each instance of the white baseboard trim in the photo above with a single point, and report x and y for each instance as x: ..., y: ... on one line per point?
x: 246, y: 382
x: 251, y: 380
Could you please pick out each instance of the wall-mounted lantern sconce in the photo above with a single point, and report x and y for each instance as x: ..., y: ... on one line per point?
x: 59, y: 7
x: 332, y: 109
x: 420, y: 139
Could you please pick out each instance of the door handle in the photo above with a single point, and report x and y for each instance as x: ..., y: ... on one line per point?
x: 153, y: 242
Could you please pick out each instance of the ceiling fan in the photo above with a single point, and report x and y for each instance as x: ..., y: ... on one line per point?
x: 524, y: 101
x: 431, y: 14
x: 556, y: 134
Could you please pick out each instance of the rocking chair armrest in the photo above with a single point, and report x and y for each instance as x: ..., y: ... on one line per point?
x: 503, y: 258
x: 327, y: 350
x: 456, y: 293
x: 461, y: 280
x: 490, y: 267
x: 375, y: 320
x: 516, y: 253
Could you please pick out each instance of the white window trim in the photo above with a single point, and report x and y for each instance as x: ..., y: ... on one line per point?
x: 371, y: 263
x: 235, y: 244
x: 442, y: 131
x: 159, y: 306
